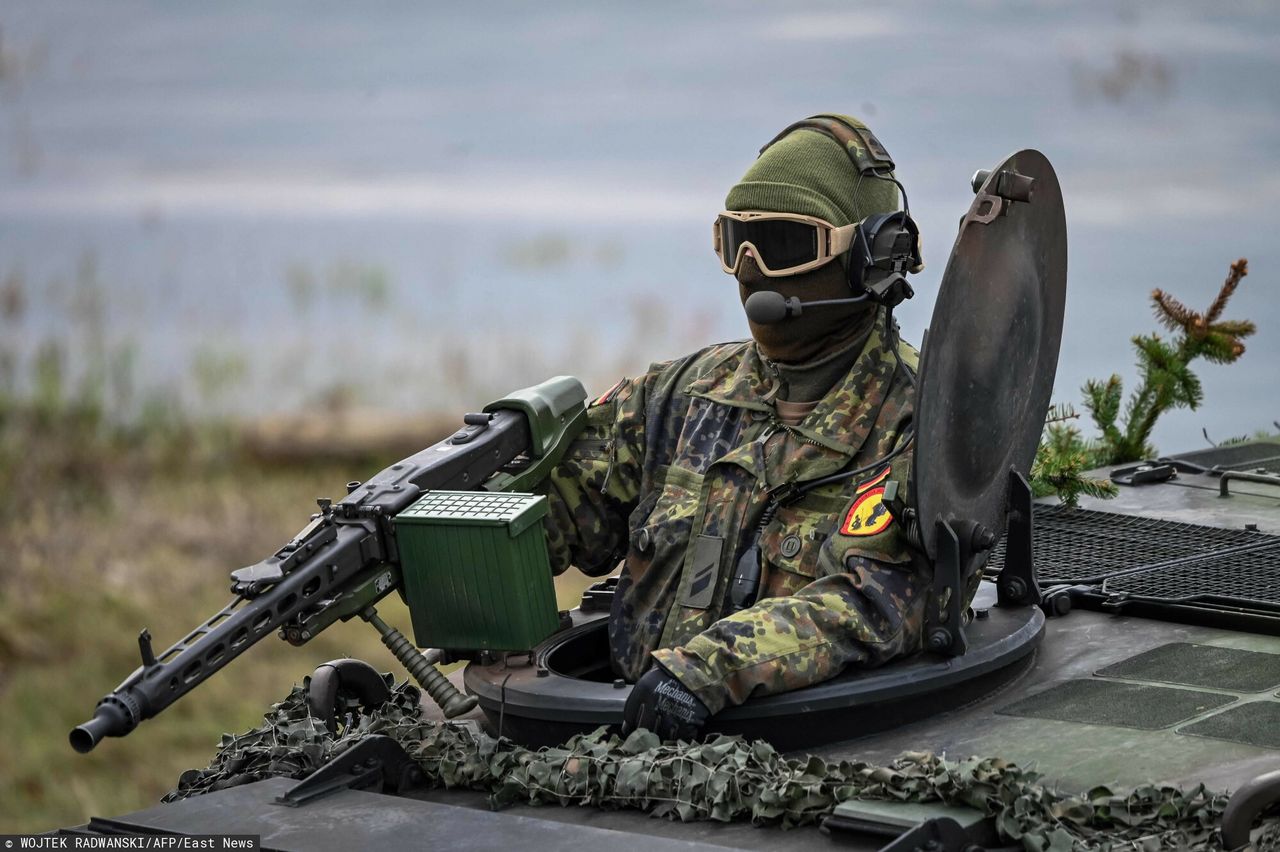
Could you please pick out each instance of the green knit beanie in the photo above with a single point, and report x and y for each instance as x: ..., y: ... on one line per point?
x: 808, y: 172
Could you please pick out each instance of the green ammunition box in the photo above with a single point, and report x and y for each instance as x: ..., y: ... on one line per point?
x: 476, y: 573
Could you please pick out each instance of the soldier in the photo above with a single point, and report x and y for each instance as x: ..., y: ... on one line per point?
x: 742, y: 484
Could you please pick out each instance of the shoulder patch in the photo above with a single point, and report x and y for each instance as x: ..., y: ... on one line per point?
x: 868, y: 515
x: 608, y: 395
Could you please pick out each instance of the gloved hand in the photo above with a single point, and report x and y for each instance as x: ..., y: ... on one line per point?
x: 660, y: 703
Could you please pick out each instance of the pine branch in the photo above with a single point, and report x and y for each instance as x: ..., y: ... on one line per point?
x: 1103, y: 402
x: 1220, y: 348
x: 1165, y: 381
x: 1059, y: 467
x: 1234, y: 328
x: 1239, y: 270
x: 1060, y: 413
x: 1171, y: 313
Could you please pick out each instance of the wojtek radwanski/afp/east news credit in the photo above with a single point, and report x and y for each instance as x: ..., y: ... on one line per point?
x: 132, y: 841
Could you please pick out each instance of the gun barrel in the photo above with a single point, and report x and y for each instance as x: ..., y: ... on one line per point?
x: 112, y: 718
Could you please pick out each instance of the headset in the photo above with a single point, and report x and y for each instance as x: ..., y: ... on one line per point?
x: 886, y: 246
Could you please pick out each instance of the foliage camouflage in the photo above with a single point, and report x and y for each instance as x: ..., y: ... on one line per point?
x: 1166, y: 381
x: 722, y: 779
x: 674, y: 471
x: 1061, y: 461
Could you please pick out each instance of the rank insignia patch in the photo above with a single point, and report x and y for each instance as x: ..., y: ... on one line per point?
x: 868, y: 515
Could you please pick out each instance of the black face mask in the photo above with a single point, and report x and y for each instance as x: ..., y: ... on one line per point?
x: 798, y: 340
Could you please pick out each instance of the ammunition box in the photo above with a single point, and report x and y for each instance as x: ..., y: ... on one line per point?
x: 476, y: 572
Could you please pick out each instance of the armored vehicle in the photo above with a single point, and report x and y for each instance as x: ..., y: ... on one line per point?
x: 1129, y: 643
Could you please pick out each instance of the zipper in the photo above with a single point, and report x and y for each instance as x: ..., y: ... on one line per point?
x: 774, y: 422
x: 800, y: 436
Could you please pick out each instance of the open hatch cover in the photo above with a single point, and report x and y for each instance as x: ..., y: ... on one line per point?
x: 988, y: 365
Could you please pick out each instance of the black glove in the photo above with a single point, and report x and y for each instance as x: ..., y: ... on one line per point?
x: 660, y: 703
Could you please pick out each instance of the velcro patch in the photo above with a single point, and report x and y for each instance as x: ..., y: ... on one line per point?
x: 868, y: 515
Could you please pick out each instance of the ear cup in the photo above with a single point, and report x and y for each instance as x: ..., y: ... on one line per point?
x: 857, y: 260
x: 883, y: 244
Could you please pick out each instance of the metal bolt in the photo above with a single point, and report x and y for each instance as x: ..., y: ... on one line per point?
x: 619, y: 683
x: 542, y: 672
x: 1014, y: 588
x: 981, y: 614
x: 940, y: 639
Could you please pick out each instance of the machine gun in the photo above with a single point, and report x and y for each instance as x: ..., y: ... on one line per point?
x: 347, y: 558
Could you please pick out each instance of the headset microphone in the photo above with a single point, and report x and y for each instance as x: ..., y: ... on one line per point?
x: 768, y: 307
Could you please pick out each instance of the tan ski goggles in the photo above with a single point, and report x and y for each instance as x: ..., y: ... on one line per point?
x: 782, y: 243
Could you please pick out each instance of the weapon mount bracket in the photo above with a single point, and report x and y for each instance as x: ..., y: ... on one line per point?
x: 374, y: 762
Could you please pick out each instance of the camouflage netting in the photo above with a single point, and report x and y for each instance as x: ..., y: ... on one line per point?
x: 725, y: 778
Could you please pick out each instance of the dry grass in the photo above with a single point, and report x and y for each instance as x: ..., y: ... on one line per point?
x: 93, y: 553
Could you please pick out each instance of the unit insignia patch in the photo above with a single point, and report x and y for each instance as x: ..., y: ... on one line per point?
x: 868, y: 515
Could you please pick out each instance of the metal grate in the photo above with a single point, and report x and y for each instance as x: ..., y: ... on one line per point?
x: 1259, y: 454
x: 1085, y: 546
x: 1242, y: 578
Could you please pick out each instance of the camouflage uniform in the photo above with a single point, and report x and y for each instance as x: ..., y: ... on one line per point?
x: 675, y: 471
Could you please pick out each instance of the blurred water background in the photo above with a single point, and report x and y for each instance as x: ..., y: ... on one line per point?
x: 252, y: 208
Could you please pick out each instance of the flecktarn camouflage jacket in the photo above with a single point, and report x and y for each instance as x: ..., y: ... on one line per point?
x: 674, y: 473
